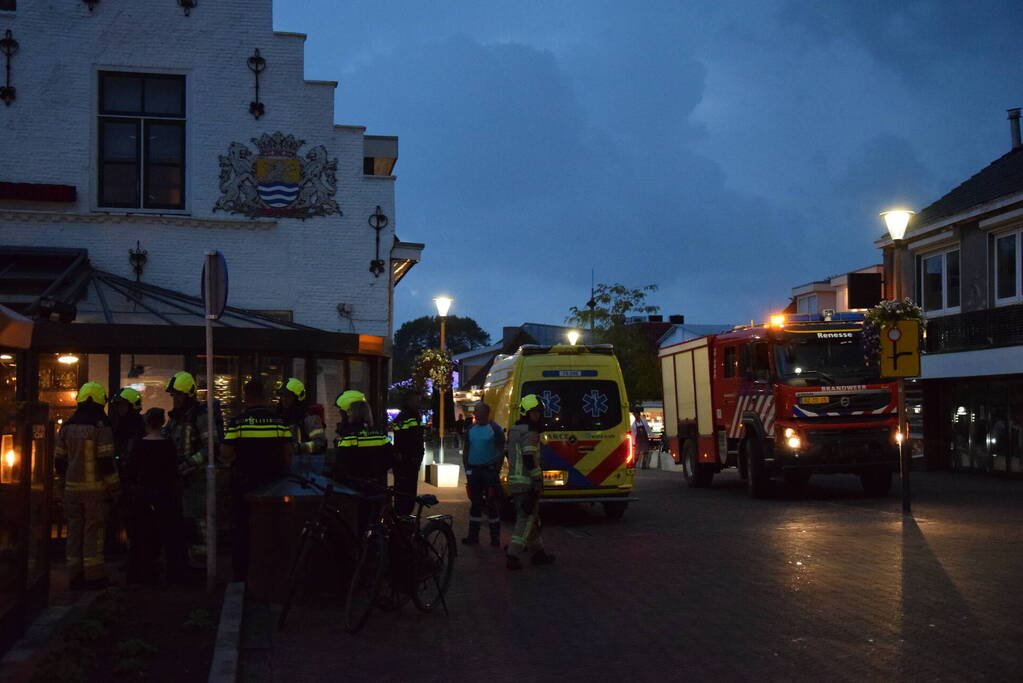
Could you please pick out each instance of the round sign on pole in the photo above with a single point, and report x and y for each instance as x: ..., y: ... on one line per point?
x: 216, y: 265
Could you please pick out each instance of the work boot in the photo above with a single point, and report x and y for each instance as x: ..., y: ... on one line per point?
x: 513, y: 563
x: 474, y: 534
x: 540, y: 557
x: 77, y: 583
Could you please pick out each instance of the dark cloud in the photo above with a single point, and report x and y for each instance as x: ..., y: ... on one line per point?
x: 725, y: 151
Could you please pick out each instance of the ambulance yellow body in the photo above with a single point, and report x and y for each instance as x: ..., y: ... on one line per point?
x: 587, y: 452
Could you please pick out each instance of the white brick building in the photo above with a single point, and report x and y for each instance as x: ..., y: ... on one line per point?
x: 133, y: 125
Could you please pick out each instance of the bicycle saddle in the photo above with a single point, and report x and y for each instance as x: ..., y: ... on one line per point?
x: 427, y: 500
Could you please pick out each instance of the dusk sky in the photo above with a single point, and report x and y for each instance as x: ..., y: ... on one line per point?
x: 725, y: 151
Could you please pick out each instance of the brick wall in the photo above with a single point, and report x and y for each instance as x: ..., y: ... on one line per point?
x: 50, y: 137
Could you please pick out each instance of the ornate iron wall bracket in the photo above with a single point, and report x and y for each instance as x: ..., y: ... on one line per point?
x: 92, y: 4
x: 8, y: 45
x: 256, y: 65
x: 137, y: 257
x: 378, y: 221
x: 188, y: 6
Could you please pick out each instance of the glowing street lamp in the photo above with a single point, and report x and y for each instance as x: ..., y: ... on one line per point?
x: 573, y: 336
x: 443, y: 304
x: 896, y: 222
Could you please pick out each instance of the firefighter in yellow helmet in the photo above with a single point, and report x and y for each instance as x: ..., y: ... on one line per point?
x: 525, y: 483
x: 88, y: 481
x: 188, y: 427
x: 306, y: 427
x: 363, y: 452
x: 125, y: 413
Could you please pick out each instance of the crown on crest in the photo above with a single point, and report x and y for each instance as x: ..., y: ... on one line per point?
x: 277, y: 145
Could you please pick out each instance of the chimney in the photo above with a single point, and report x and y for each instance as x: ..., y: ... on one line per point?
x: 655, y: 318
x: 677, y: 319
x: 1014, y: 127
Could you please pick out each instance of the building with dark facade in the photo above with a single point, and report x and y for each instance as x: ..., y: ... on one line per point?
x: 962, y: 262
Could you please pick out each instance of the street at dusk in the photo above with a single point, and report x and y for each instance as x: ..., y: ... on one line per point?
x: 710, y: 585
x: 396, y: 340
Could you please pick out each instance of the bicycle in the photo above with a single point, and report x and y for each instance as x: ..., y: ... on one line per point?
x: 327, y: 532
x: 414, y: 561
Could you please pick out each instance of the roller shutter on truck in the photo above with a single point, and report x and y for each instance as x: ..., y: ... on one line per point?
x: 685, y: 372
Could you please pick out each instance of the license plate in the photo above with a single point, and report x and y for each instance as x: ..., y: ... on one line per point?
x: 814, y: 399
x: 555, y: 477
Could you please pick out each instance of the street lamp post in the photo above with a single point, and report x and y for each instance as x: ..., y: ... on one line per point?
x: 896, y: 221
x: 443, y: 304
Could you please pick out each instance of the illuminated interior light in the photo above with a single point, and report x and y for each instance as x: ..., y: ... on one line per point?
x: 68, y: 359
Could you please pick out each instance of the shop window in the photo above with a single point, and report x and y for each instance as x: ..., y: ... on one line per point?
x: 330, y: 381
x: 359, y: 371
x: 149, y: 374
x: 939, y: 283
x: 1007, y: 268
x: 60, y: 377
x: 141, y: 140
x: 227, y: 384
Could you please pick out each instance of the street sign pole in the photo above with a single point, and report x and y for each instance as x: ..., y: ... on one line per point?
x: 211, y: 465
x: 214, y: 294
x: 904, y: 453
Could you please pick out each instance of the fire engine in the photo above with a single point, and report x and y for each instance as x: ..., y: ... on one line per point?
x: 788, y: 398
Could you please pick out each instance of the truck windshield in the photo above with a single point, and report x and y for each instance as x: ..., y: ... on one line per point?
x: 823, y: 358
x: 578, y: 404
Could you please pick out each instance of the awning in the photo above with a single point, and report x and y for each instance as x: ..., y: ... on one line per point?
x: 15, y: 329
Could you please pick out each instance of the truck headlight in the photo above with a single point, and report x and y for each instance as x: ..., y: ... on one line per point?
x: 793, y: 442
x: 789, y: 432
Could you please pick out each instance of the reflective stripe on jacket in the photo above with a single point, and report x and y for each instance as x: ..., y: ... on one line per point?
x: 524, y: 471
x: 408, y: 435
x: 84, y: 455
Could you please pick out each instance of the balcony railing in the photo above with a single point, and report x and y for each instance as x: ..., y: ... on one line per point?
x: 975, y: 330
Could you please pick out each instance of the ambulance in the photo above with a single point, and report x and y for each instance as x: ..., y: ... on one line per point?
x: 587, y: 454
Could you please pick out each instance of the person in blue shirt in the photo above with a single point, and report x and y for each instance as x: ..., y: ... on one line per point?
x: 482, y: 453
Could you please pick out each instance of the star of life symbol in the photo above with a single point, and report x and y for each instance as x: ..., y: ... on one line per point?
x: 551, y: 403
x: 594, y: 403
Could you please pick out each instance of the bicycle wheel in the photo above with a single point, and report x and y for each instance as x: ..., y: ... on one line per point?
x: 366, y: 580
x: 435, y: 559
x: 296, y: 578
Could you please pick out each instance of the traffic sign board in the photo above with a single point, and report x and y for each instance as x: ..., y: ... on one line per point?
x: 900, y: 349
x: 216, y: 265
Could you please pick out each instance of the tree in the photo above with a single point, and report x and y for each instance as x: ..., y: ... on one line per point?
x: 611, y: 306
x: 462, y: 334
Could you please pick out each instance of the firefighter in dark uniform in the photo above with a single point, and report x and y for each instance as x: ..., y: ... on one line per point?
x: 306, y: 428
x: 259, y: 446
x: 362, y: 451
x: 125, y: 413
x: 87, y: 482
x: 408, y: 444
x: 188, y: 427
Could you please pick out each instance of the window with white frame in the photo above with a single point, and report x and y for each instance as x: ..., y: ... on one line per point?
x: 806, y: 304
x: 1007, y: 265
x: 939, y: 282
x: 141, y: 137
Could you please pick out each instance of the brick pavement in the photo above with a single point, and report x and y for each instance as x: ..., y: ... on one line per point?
x: 711, y: 585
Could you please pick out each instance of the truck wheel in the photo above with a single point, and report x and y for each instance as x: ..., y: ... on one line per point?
x: 797, y: 479
x: 757, y: 482
x: 697, y: 476
x: 877, y: 482
x: 615, y: 510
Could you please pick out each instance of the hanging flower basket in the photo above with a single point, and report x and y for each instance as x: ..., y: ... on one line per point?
x: 887, y: 313
x: 434, y: 366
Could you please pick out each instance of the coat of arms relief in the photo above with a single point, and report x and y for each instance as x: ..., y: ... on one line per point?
x: 276, y: 180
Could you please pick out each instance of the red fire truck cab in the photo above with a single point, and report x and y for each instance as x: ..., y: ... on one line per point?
x: 786, y: 399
